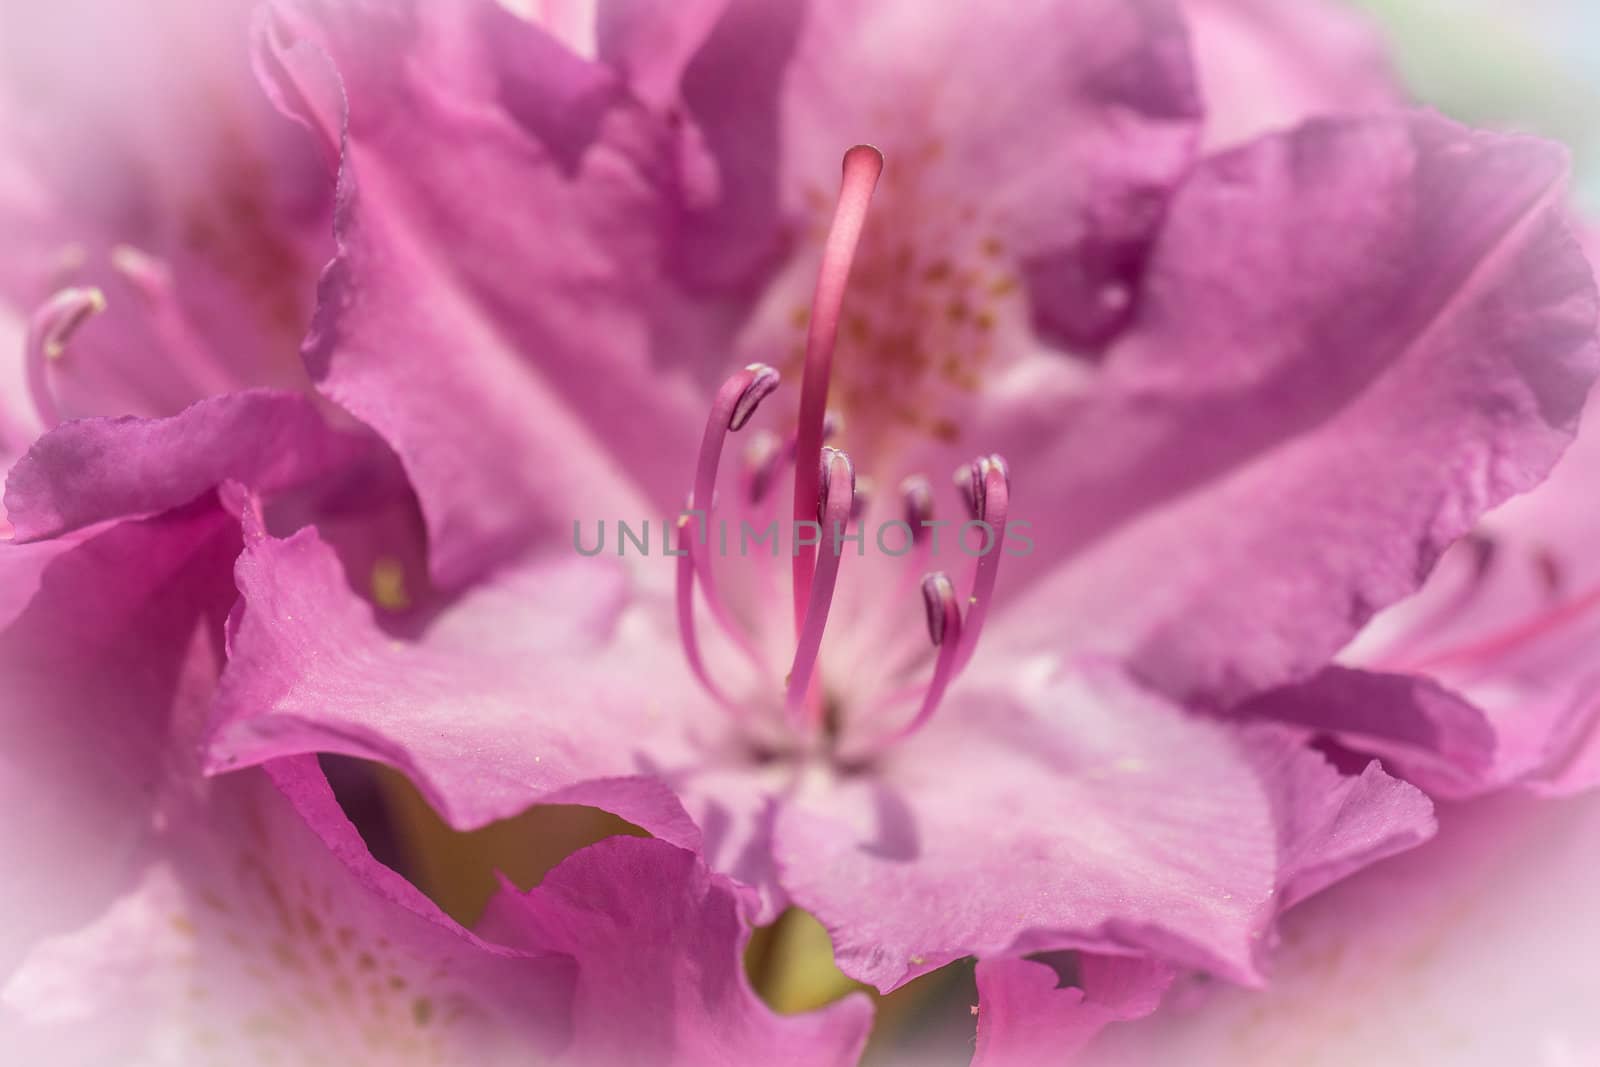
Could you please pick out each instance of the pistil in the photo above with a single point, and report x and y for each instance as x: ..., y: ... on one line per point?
x: 862, y: 166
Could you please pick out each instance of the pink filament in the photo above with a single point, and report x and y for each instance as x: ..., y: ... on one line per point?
x: 686, y: 632
x: 49, y: 329
x: 718, y: 424
x: 944, y: 668
x: 996, y: 506
x: 835, y: 515
x: 862, y: 166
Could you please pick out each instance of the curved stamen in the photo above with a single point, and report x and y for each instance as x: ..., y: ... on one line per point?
x: 990, y: 502
x: 944, y: 630
x: 862, y: 166
x: 735, y: 402
x: 834, y: 501
x: 686, y: 632
x: 760, y: 381
x: 49, y: 330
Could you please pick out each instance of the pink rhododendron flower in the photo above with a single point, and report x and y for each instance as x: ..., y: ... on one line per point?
x: 1225, y: 348
x: 1228, y: 470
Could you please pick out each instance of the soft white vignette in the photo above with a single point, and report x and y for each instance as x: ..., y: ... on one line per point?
x: 1532, y: 65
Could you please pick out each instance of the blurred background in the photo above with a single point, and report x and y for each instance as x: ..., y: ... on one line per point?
x: 1525, y: 64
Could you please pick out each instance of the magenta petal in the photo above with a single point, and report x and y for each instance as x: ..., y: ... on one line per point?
x: 650, y: 44
x: 1027, y: 1017
x: 1092, y: 814
x: 23, y: 566
x: 103, y: 667
x: 532, y: 688
x: 92, y: 470
x: 1395, y: 295
x: 1426, y: 733
x: 659, y: 945
x: 500, y: 341
x: 265, y: 932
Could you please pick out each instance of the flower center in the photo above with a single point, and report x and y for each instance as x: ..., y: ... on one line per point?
x: 935, y: 300
x: 827, y: 499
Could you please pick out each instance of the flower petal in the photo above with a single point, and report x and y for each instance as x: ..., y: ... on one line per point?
x: 1092, y: 814
x: 91, y: 470
x: 1031, y: 142
x: 122, y: 606
x: 1356, y: 338
x: 659, y: 945
x: 540, y: 687
x: 501, y: 339
x: 104, y: 665
x: 1266, y: 65
x: 1403, y: 963
x: 1027, y: 1016
x: 1426, y: 733
x: 266, y: 932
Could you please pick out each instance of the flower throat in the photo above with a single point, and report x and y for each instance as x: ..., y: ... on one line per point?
x: 827, y: 494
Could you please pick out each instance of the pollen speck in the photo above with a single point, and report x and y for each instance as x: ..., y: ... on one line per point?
x: 389, y: 584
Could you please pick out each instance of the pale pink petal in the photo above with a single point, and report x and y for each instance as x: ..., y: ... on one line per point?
x: 105, y: 669
x: 659, y: 945
x: 1267, y: 65
x: 1475, y: 949
x: 1355, y: 339
x: 546, y: 686
x: 1091, y: 814
x: 265, y: 932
